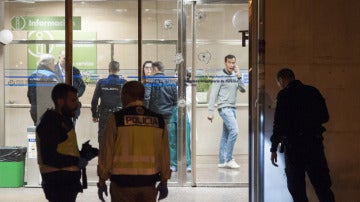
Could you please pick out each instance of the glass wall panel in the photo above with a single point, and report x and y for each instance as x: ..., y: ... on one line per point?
x: 216, y: 37
x: 38, y: 35
x: 115, y: 27
x: 108, y: 30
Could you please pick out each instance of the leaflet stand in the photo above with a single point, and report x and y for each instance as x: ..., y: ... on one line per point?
x: 33, y: 177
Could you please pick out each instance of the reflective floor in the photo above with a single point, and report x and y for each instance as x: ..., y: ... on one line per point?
x: 208, y: 174
x: 213, y: 184
x: 176, y: 194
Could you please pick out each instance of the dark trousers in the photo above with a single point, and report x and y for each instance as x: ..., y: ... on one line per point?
x: 307, y: 156
x: 103, y: 117
x: 61, y: 186
x: 104, y: 114
x: 132, y: 194
x: 60, y: 195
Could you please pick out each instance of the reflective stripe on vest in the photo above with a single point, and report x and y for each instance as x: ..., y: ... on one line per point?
x: 50, y: 169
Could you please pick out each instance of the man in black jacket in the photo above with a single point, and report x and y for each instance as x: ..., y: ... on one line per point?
x: 59, y: 158
x: 162, y: 99
x: 299, y: 115
x: 162, y: 91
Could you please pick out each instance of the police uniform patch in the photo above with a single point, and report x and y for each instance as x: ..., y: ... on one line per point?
x: 139, y: 120
x: 139, y: 110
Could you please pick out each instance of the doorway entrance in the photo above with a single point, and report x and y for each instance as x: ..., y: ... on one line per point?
x: 216, y: 34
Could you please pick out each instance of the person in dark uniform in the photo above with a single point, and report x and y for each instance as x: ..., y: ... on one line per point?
x: 78, y: 82
x: 300, y: 112
x: 134, y: 153
x: 108, y: 90
x: 58, y: 152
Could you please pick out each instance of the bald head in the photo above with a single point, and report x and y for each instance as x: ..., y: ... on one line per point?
x: 132, y: 91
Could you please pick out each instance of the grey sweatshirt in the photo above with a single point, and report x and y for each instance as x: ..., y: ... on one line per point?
x: 224, y: 89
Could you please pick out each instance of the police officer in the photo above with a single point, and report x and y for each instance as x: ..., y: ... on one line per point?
x: 299, y: 115
x: 134, y: 152
x: 108, y: 90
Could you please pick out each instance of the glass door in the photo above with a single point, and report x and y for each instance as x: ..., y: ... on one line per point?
x: 217, y: 35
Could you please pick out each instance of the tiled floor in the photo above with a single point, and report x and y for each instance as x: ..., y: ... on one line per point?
x: 213, y: 185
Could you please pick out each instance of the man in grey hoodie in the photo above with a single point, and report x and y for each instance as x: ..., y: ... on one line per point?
x: 224, y: 91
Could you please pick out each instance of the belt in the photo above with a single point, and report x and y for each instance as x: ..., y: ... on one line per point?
x: 114, y: 109
x: 219, y: 109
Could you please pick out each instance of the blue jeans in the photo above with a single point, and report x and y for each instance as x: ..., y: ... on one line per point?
x: 229, y: 134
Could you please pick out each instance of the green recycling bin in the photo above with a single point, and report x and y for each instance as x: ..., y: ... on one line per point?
x: 12, y: 166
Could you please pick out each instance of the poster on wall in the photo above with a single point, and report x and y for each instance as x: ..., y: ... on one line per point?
x: 84, y: 55
x: 50, y: 30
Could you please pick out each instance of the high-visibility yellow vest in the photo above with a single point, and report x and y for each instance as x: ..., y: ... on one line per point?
x: 68, y: 147
x: 138, y: 146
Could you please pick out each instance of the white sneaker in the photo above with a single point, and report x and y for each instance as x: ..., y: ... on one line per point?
x: 232, y: 164
x: 221, y: 165
x: 173, y: 169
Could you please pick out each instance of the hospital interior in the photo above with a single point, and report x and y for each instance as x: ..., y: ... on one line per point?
x: 192, y: 36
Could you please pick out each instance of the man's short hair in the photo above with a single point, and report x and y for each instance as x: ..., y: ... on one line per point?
x: 114, y: 66
x: 135, y: 89
x: 46, y: 60
x: 61, y: 90
x: 229, y: 57
x: 286, y: 73
x: 159, y: 65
